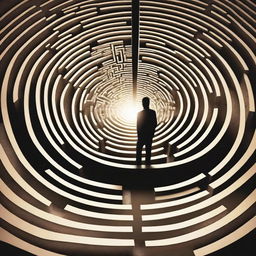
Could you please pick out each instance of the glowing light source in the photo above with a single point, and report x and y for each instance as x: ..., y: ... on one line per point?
x: 127, y: 110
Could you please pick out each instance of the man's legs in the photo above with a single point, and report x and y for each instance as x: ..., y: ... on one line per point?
x: 148, y: 151
x: 139, y: 151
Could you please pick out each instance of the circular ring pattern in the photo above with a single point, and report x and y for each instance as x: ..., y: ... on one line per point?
x: 66, y: 100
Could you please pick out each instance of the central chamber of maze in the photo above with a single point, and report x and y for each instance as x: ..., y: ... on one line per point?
x: 68, y: 126
x: 102, y: 108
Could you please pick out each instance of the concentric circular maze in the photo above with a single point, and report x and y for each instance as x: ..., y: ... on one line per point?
x: 69, y: 180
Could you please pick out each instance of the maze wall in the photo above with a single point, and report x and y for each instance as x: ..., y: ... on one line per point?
x: 67, y: 113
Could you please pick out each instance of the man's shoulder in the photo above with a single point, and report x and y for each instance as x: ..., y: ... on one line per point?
x: 152, y: 111
x: 146, y: 111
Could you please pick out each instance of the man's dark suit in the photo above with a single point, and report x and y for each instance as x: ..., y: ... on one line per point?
x: 146, y: 124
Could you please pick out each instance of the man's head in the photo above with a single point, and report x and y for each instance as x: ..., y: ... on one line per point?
x: 145, y: 102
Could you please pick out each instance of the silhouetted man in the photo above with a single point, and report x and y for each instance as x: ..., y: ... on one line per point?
x: 146, y: 125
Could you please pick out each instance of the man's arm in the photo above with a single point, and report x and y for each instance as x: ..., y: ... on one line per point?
x: 138, y: 123
x: 154, y: 120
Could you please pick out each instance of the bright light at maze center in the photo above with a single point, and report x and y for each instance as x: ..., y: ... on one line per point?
x: 127, y: 110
